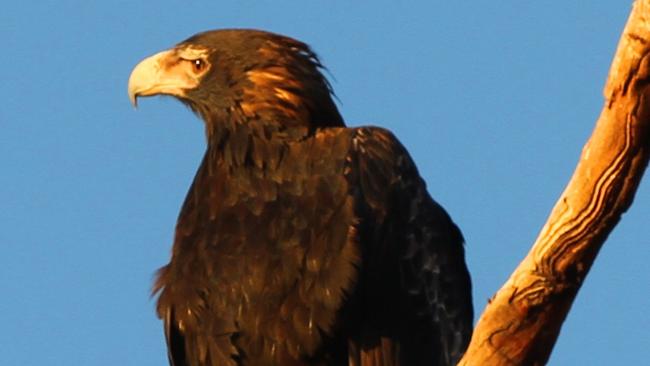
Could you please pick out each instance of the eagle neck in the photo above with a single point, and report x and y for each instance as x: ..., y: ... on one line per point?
x: 256, y: 144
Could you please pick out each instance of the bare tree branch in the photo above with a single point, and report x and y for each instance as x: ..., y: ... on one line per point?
x: 522, y: 321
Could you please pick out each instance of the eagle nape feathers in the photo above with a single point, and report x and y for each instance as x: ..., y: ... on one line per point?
x: 301, y: 241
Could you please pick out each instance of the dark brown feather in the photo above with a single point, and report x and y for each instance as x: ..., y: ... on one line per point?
x: 302, y: 242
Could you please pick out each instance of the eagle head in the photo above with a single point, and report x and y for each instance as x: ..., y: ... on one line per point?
x: 241, y: 76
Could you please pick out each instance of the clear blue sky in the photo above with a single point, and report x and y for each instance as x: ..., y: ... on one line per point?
x: 494, y: 99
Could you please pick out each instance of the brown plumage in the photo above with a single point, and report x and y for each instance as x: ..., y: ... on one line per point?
x: 301, y: 241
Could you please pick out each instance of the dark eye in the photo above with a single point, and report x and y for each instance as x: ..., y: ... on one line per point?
x: 198, y: 64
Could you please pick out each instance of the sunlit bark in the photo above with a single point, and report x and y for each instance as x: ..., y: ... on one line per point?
x: 521, y: 322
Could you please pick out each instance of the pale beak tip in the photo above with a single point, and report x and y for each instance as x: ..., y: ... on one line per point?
x: 134, y: 100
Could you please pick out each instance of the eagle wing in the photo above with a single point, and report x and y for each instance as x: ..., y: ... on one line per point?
x: 414, y: 287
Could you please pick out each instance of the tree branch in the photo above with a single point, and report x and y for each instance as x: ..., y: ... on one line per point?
x: 522, y: 321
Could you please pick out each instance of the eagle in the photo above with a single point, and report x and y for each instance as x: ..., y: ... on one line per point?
x: 301, y: 241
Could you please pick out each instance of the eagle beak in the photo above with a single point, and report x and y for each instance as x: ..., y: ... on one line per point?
x: 162, y: 73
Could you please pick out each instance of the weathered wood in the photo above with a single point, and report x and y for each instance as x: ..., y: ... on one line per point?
x: 522, y: 321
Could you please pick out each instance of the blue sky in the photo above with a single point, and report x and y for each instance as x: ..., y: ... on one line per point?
x: 493, y: 99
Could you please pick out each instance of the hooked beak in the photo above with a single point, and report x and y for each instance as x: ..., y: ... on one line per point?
x: 162, y: 73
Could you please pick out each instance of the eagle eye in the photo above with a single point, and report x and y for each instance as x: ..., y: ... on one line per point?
x: 198, y: 65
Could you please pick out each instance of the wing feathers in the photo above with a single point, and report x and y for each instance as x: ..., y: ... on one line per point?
x: 430, y: 316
